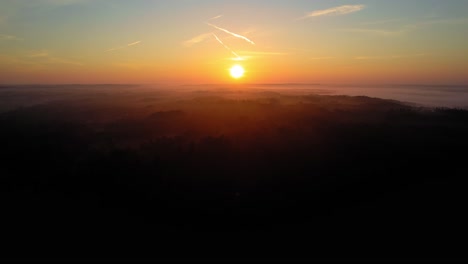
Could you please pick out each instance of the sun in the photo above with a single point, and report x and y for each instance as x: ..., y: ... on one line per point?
x: 237, y: 72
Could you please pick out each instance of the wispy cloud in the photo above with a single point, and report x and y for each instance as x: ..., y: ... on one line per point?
x: 385, y: 21
x: 38, y: 59
x: 38, y: 54
x: 390, y: 57
x: 197, y: 39
x: 45, y: 57
x: 123, y: 47
x: 134, y: 43
x: 449, y: 21
x: 228, y: 48
x: 335, y: 11
x: 8, y: 37
x: 232, y: 33
x: 216, y: 17
x: 64, y: 61
x: 404, y: 29
x: 381, y: 32
x: 203, y: 37
x: 14, y: 61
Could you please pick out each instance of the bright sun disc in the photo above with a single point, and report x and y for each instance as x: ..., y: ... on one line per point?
x: 237, y: 71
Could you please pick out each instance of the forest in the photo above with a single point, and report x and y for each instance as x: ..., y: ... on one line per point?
x: 205, y: 172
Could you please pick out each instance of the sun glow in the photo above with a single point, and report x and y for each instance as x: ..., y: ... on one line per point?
x: 237, y: 71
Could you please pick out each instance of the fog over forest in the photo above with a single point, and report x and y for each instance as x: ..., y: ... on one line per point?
x: 247, y: 171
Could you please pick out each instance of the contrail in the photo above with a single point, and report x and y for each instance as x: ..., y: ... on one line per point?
x: 339, y: 10
x: 235, y: 54
x: 134, y: 43
x: 233, y: 34
x: 216, y: 17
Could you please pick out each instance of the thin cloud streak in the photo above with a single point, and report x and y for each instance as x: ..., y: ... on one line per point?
x: 197, y: 39
x: 386, y: 21
x: 389, y: 57
x: 38, y: 59
x: 45, y: 57
x: 229, y: 49
x: 232, y: 33
x: 123, y: 47
x: 55, y: 60
x: 40, y: 54
x: 453, y: 21
x: 336, y: 11
x: 134, y: 43
x: 8, y: 37
x: 381, y: 32
x: 407, y: 28
x: 216, y: 17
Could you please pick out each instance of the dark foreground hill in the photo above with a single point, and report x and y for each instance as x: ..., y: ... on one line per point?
x: 205, y: 176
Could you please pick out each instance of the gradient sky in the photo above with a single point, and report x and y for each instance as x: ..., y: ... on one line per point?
x: 162, y: 41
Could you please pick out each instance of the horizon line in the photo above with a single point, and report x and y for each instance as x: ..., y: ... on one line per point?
x: 236, y: 84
